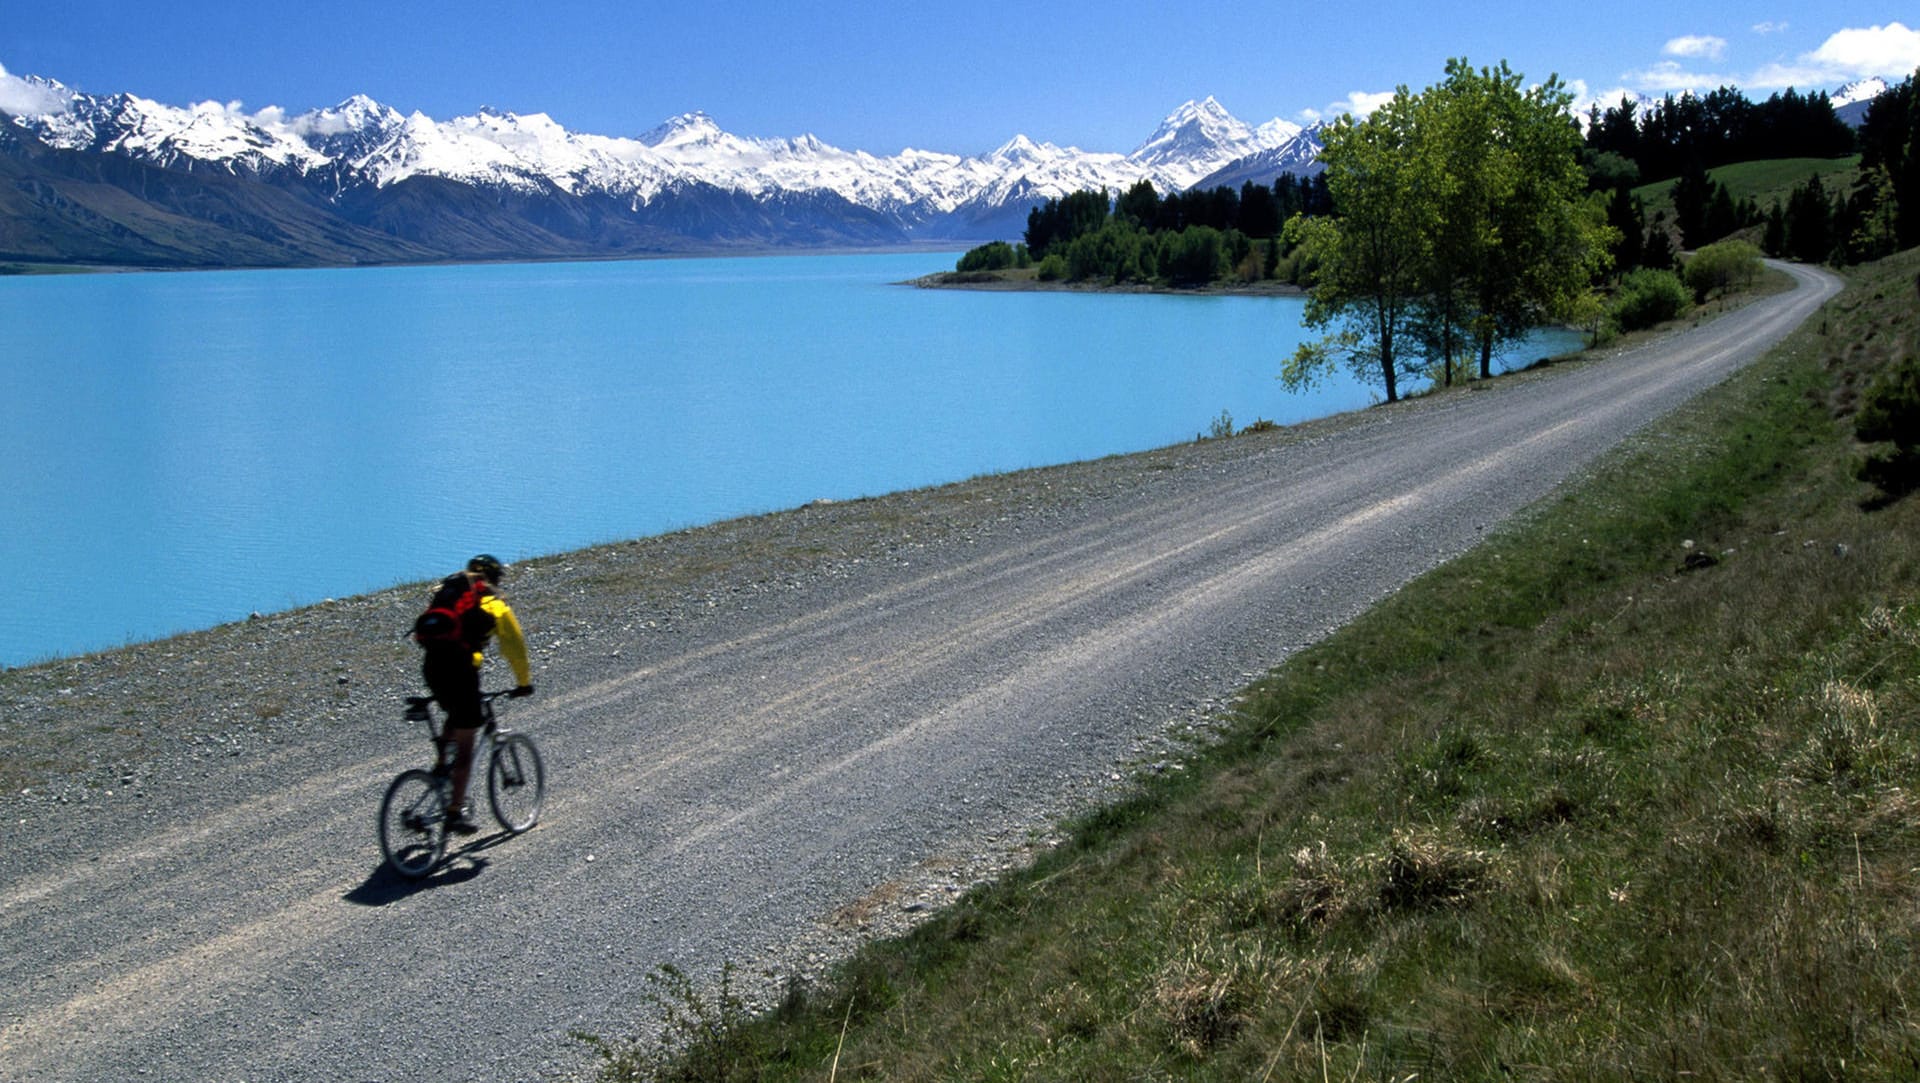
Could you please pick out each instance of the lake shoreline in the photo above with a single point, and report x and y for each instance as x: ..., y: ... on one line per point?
x: 998, y: 282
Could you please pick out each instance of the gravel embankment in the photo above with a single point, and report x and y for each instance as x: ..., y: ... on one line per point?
x: 767, y: 739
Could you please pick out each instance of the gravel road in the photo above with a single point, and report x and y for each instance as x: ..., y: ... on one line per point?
x: 766, y: 739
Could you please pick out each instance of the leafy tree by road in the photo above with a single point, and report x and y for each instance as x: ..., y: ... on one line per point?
x: 1461, y: 214
x: 1372, y: 255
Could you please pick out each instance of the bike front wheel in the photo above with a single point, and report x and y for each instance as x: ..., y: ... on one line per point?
x: 413, y: 823
x: 516, y: 782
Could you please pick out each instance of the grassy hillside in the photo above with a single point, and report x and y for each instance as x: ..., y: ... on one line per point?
x: 1765, y: 182
x: 1631, y: 791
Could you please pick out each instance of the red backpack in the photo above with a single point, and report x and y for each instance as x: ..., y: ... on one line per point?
x: 454, y: 617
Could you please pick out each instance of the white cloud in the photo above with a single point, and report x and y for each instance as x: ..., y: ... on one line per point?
x: 22, y: 98
x: 1669, y: 76
x: 1696, y: 45
x: 1891, y: 52
x: 1584, y: 101
x: 1359, y: 102
x: 1778, y: 76
x: 1877, y: 50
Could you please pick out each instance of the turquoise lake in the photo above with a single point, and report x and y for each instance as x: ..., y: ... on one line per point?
x: 185, y: 449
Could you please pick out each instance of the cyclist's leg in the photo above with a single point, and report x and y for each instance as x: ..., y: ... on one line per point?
x: 451, y: 675
x: 462, y: 740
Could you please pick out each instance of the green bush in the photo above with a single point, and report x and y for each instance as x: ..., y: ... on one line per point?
x: 994, y: 256
x: 1890, y: 413
x: 1053, y: 268
x: 1722, y: 266
x: 1647, y: 298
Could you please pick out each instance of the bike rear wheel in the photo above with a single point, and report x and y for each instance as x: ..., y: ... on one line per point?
x: 516, y: 782
x: 413, y: 823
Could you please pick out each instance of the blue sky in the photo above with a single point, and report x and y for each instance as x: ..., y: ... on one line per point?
x: 961, y: 77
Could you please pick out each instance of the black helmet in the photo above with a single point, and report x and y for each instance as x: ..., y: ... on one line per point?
x: 489, y: 568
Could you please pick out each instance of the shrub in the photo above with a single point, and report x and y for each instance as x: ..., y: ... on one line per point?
x: 1647, y: 298
x: 1053, y: 268
x: 702, y: 1038
x: 994, y: 256
x: 1890, y: 413
x: 1721, y: 266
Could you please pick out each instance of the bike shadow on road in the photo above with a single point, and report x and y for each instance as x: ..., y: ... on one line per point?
x: 383, y: 886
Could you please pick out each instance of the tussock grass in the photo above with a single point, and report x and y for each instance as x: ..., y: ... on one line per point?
x: 1570, y: 807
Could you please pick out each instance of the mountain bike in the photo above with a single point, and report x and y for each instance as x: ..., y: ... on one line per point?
x: 413, y: 815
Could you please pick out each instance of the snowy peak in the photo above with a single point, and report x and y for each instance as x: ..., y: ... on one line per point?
x: 1865, y: 90
x: 1276, y: 132
x: 687, y: 129
x: 1201, y: 137
x: 207, y: 135
x: 1196, y: 129
x: 1852, y: 101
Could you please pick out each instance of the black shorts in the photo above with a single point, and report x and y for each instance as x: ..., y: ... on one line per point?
x: 454, y: 681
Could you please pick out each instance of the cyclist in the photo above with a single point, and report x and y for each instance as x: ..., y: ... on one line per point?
x: 465, y: 612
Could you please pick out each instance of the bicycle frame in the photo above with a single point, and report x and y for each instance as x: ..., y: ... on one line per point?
x: 416, y: 802
x: 489, y: 732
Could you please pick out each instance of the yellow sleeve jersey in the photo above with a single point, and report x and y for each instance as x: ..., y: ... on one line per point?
x: 513, y: 642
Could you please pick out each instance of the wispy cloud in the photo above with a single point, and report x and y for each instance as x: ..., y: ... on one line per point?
x: 1891, y: 51
x: 1669, y: 76
x: 23, y: 98
x: 1694, y: 46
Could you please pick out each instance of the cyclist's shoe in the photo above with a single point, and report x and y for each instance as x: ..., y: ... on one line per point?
x: 461, y: 823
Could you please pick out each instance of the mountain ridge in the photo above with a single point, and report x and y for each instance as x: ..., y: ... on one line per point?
x: 523, y: 186
x: 360, y: 182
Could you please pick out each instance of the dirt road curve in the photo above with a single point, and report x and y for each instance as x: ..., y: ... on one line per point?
x: 763, y: 775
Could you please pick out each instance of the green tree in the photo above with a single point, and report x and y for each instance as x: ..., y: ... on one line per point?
x: 1139, y: 204
x: 1809, y: 223
x: 1692, y: 196
x: 1890, y: 153
x: 1723, y: 214
x: 1773, y: 240
x: 1196, y: 256
x: 1452, y: 150
x: 1060, y: 221
x: 1117, y: 252
x: 1657, y: 252
x: 1525, y: 233
x: 1627, y: 217
x: 1259, y: 212
x: 1875, y: 232
x: 1371, y: 253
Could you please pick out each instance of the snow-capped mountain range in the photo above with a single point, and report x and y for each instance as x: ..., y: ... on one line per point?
x: 526, y: 180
